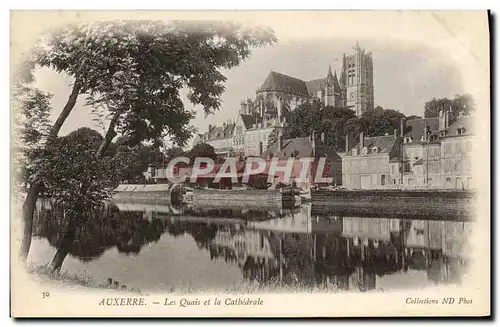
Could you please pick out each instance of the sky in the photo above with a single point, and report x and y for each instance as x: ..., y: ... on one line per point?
x: 406, y: 75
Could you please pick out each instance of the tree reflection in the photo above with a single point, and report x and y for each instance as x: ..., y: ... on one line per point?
x: 129, y: 232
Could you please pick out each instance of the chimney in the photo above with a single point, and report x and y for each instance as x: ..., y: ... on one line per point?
x: 361, y: 141
x: 446, y: 119
x: 402, y: 126
x: 323, y: 137
x: 280, y: 141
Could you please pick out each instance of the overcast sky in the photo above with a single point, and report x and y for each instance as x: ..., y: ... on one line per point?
x: 406, y: 75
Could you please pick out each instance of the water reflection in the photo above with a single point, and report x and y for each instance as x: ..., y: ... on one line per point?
x: 286, y: 246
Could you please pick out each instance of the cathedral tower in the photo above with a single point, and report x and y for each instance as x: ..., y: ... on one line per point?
x: 332, y: 91
x: 357, y: 80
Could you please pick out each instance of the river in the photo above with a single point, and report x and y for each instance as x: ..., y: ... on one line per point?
x: 159, y: 248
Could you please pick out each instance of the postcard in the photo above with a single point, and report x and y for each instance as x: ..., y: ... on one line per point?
x: 250, y: 164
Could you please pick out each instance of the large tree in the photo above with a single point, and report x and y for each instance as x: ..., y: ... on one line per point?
x: 460, y: 103
x: 380, y: 121
x: 130, y: 72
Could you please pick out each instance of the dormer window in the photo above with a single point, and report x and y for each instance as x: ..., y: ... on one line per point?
x: 461, y: 131
x: 365, y: 150
x: 354, y: 152
x: 374, y: 149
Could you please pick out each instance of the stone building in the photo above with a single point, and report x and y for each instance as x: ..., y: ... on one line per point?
x: 280, y: 93
x: 432, y: 153
x: 366, y: 165
x: 456, y: 153
x: 306, y: 147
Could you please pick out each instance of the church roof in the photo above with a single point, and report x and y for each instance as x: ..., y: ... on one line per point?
x: 315, y: 85
x: 248, y: 120
x: 284, y: 83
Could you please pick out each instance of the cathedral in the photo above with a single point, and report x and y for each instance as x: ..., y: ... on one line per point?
x: 281, y: 93
x: 353, y: 90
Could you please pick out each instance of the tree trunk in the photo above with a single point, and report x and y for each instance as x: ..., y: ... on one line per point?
x: 70, y: 104
x: 110, y: 134
x: 34, y: 190
x: 64, y: 246
x: 69, y: 235
x: 28, y: 211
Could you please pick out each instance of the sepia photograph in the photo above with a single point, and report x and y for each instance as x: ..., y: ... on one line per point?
x: 250, y: 163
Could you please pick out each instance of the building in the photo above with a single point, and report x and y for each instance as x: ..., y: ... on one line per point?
x: 353, y: 90
x: 433, y: 152
x: 366, y: 165
x: 280, y: 93
x: 456, y: 153
x: 306, y: 147
x: 420, y: 163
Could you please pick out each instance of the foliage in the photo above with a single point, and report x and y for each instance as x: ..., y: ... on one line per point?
x: 136, y: 69
x: 337, y: 123
x: 461, y: 102
x: 379, y: 121
x: 73, y: 174
x: 201, y: 150
x: 31, y: 108
x: 132, y: 161
x: 273, y: 137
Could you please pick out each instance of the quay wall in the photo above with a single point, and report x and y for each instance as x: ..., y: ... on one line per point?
x: 232, y: 198
x: 411, y: 204
x: 150, y: 193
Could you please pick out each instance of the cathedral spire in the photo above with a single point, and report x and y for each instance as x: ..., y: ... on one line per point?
x: 329, y: 76
x: 336, y: 85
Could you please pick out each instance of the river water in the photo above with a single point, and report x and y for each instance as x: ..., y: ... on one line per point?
x: 162, y: 248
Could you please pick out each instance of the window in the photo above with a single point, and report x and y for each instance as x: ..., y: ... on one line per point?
x: 375, y: 149
x: 354, y: 152
x: 365, y: 150
x: 382, y: 180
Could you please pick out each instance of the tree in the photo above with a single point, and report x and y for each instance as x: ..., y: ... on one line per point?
x: 309, y: 117
x: 304, y: 119
x: 132, y: 162
x: 460, y: 103
x: 201, y: 150
x: 131, y: 73
x: 334, y: 122
x: 75, y: 177
x: 381, y: 121
x: 273, y: 137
